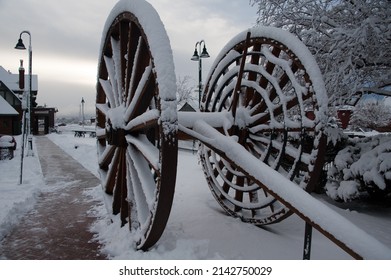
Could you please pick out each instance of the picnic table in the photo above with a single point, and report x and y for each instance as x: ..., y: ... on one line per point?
x: 83, y: 132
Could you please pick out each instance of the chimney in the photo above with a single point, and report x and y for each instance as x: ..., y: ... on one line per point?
x: 21, y: 75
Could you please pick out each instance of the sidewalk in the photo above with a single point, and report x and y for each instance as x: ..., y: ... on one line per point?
x: 58, y: 227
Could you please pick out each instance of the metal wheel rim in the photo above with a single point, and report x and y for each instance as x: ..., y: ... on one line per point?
x: 268, y: 136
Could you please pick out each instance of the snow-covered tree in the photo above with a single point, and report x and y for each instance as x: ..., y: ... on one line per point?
x: 372, y: 115
x: 184, y: 89
x: 351, y: 39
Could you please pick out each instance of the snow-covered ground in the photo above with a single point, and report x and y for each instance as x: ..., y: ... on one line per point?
x: 197, y: 228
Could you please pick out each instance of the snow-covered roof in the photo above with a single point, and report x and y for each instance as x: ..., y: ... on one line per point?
x: 12, y: 80
x: 345, y: 107
x: 187, y: 103
x: 6, y: 109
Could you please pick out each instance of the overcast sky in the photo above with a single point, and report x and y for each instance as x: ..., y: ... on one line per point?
x: 66, y: 38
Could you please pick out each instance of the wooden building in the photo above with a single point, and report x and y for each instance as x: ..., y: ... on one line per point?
x: 9, y: 119
x: 43, y: 120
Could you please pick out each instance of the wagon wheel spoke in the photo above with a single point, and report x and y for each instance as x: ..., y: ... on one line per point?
x: 235, y: 187
x: 100, y: 133
x: 120, y: 204
x: 229, y: 173
x: 269, y: 67
x: 271, y: 121
x: 106, y: 157
x: 124, y: 52
x: 251, y: 97
x: 141, y: 188
x: 146, y: 150
x: 226, y: 187
x: 142, y: 95
x: 239, y: 193
x: 137, y: 142
x: 140, y: 63
x: 146, y: 121
x: 108, y: 181
x: 278, y: 110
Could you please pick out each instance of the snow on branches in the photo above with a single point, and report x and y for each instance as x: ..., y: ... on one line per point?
x: 362, y: 167
x: 373, y: 115
x: 351, y: 40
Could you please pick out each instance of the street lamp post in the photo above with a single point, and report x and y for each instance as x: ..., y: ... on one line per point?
x: 197, y: 57
x: 20, y: 46
x: 82, y: 111
x: 26, y: 110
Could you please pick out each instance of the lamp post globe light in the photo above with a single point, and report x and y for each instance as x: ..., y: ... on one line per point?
x: 20, y: 46
x: 198, y: 56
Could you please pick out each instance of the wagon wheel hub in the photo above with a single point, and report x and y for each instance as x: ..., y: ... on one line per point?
x: 241, y: 132
x: 116, y: 137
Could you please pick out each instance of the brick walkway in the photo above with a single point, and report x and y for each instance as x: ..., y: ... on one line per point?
x: 58, y: 227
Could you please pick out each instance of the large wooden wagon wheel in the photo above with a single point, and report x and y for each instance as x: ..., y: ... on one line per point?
x: 137, y: 119
x: 263, y: 77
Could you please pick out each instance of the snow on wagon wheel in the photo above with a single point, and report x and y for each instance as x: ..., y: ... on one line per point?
x: 137, y: 119
x: 265, y: 77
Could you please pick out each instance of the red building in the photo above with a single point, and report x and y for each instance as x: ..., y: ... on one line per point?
x: 344, y: 115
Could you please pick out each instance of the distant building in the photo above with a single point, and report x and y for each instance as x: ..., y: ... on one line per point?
x: 10, y: 122
x: 18, y: 85
x: 43, y: 120
x: 187, y: 106
x: 12, y: 89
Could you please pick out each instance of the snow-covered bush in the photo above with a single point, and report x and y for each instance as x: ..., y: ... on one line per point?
x: 333, y: 131
x: 371, y: 114
x: 362, y: 167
